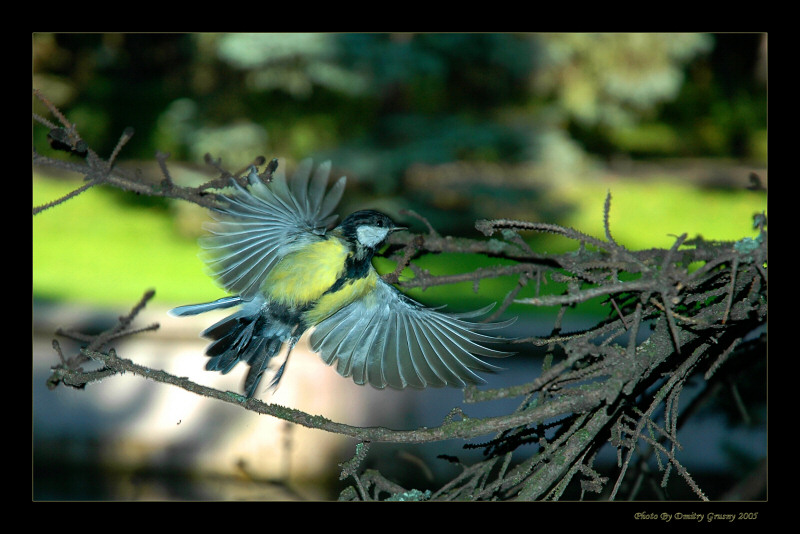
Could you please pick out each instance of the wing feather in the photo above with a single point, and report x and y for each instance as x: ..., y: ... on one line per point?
x: 355, y: 364
x: 422, y: 358
x: 316, y: 189
x: 386, y: 338
x: 409, y: 356
x: 259, y: 224
x: 299, y: 186
x: 441, y: 373
x: 390, y: 367
x: 369, y: 369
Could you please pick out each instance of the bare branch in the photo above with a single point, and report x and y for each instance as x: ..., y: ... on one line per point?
x: 599, y: 384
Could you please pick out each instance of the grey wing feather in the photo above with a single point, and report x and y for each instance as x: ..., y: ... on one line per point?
x: 387, y: 339
x: 258, y: 225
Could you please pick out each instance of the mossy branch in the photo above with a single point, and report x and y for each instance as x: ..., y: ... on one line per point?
x: 602, y: 384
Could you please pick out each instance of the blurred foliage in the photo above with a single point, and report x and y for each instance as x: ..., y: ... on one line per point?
x: 378, y: 103
x: 613, y: 79
x: 453, y: 126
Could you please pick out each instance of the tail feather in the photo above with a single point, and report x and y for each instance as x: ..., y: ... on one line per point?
x: 195, y: 309
x: 252, y: 339
x: 258, y: 357
x: 249, y: 335
x: 279, y: 373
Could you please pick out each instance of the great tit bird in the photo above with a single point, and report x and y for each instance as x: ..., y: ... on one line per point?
x: 272, y: 246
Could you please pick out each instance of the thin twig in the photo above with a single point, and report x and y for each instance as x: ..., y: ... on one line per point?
x: 584, y: 393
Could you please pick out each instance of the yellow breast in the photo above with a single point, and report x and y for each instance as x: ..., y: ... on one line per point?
x: 332, y: 302
x: 303, y: 276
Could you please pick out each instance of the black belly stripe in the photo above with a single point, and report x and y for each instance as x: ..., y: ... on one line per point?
x: 353, y: 270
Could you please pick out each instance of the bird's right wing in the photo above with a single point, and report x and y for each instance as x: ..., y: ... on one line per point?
x: 388, y: 339
x: 258, y: 225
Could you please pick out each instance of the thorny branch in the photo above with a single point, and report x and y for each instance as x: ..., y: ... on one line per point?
x: 97, y: 171
x: 616, y: 382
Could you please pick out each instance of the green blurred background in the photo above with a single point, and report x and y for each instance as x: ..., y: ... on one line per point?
x: 454, y: 126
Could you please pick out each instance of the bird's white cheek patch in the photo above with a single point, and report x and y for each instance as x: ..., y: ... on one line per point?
x: 371, y: 235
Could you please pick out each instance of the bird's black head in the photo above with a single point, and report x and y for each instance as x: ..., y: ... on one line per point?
x: 368, y: 228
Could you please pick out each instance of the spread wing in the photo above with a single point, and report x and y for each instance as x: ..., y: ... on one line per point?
x: 257, y: 226
x: 389, y: 339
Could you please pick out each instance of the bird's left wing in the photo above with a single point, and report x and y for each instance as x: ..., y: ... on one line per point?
x: 387, y: 338
x: 258, y: 225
